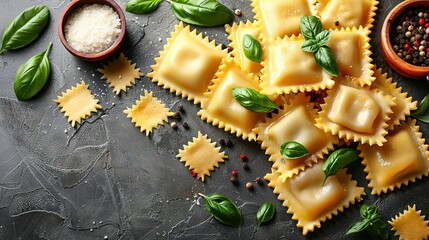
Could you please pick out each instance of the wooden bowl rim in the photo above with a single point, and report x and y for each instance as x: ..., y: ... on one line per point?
x: 399, y: 65
x: 92, y: 56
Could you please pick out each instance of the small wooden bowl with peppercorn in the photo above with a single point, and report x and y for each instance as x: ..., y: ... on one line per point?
x: 405, y: 39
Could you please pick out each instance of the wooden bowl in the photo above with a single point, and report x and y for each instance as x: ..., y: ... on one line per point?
x: 402, y: 67
x: 93, y: 56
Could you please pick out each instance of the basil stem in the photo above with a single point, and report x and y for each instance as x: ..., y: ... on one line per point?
x: 310, y: 27
x: 337, y: 160
x: 265, y: 212
x: 205, y: 13
x: 253, y: 100
x: 142, y: 6
x: 422, y: 111
x: 252, y: 48
x: 325, y: 58
x: 32, y: 75
x: 293, y: 150
x: 371, y: 222
x: 223, y: 209
x: 25, y: 27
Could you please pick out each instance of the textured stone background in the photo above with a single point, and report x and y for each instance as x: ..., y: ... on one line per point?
x: 57, y: 181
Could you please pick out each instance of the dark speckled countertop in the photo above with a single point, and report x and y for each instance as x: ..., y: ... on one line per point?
x: 105, y: 178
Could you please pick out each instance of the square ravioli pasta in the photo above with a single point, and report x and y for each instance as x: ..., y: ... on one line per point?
x: 222, y: 110
x: 346, y: 13
x: 309, y: 201
x: 287, y: 68
x: 280, y: 18
x: 402, y: 159
x: 187, y: 64
x: 295, y: 122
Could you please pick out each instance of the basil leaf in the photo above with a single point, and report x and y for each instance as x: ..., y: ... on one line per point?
x: 206, y: 13
x: 25, y: 27
x: 32, y: 75
x: 142, y: 6
x: 422, y: 111
x: 326, y: 60
x: 223, y: 209
x: 369, y: 211
x: 358, y: 226
x: 337, y: 160
x: 265, y: 212
x: 378, y: 230
x: 323, y: 37
x: 253, y: 100
x: 310, y: 27
x: 252, y: 48
x: 293, y: 150
x: 310, y: 46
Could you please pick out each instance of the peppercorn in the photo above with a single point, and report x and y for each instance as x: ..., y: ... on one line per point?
x: 228, y: 143
x: 193, y: 174
x: 245, y: 166
x: 258, y: 180
x: 337, y: 23
x: 177, y: 115
x: 243, y: 157
x: 180, y: 108
x: 234, y: 180
x: 221, y: 141
x: 234, y: 173
x: 249, y: 185
x: 173, y: 125
x: 185, y: 125
x: 408, y: 34
x: 237, y: 12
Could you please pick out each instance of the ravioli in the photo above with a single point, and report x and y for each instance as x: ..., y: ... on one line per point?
x: 410, y: 224
x: 187, y: 64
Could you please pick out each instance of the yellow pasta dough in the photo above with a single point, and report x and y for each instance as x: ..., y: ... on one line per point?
x: 222, y: 110
x: 77, y: 103
x: 284, y: 73
x: 402, y: 159
x: 120, y: 73
x: 187, y: 64
x: 280, y: 18
x: 356, y: 113
x: 148, y: 113
x: 294, y: 123
x: 309, y: 201
x: 201, y: 156
x: 236, y: 33
x: 410, y: 225
x: 346, y: 13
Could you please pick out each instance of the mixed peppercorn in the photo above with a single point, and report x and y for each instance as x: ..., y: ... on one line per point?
x: 410, y: 36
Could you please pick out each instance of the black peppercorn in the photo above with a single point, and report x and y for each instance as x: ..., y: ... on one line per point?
x: 185, y: 125
x: 177, y: 115
x: 221, y: 141
x: 234, y: 180
x: 228, y: 143
x: 245, y: 166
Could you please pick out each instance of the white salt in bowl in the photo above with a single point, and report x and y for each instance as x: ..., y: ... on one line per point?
x: 76, y: 4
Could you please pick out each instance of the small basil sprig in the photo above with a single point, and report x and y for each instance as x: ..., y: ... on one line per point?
x: 315, y: 42
x: 252, y: 48
x: 223, y: 209
x: 422, y: 111
x: 205, y: 13
x: 253, y: 100
x: 337, y: 160
x: 142, y: 6
x: 293, y: 150
x: 25, y: 27
x: 32, y: 75
x: 265, y: 212
x: 371, y: 222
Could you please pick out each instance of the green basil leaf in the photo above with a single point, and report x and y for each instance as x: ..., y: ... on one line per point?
x: 25, y: 27
x: 252, y: 48
x: 378, y: 230
x: 142, y: 6
x: 223, y: 209
x: 310, y: 46
x: 293, y: 150
x: 310, y: 27
x: 422, y: 111
x: 369, y: 211
x: 358, y: 226
x: 32, y: 75
x: 326, y: 60
x: 253, y: 100
x: 206, y: 13
x: 323, y: 37
x: 265, y: 212
x: 337, y: 160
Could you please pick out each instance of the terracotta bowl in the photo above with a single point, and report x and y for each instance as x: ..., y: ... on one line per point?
x: 94, y: 56
x: 406, y: 69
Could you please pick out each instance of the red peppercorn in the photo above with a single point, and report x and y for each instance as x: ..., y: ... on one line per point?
x: 407, y: 18
x: 416, y: 43
x: 411, y: 51
x: 422, y: 21
x: 193, y: 174
x: 426, y: 25
x: 234, y: 173
x: 407, y: 46
x: 427, y: 49
x: 243, y: 157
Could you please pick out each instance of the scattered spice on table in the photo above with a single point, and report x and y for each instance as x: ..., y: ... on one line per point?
x: 249, y: 185
x: 410, y: 36
x: 186, y: 125
x: 245, y: 166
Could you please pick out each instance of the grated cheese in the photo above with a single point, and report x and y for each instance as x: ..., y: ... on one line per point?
x: 92, y: 28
